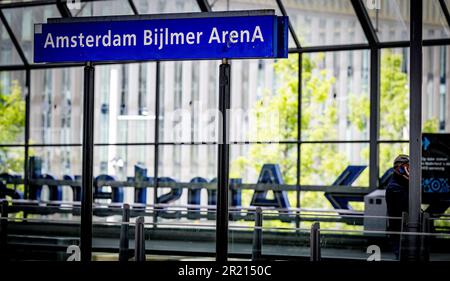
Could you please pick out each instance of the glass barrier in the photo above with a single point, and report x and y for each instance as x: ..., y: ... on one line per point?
x: 359, y: 245
x: 29, y: 239
x: 50, y: 230
x: 171, y: 236
x: 436, y: 247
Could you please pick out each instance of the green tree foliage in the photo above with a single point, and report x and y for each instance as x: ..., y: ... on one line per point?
x: 431, y: 125
x: 12, y: 123
x: 319, y: 162
x: 324, y: 162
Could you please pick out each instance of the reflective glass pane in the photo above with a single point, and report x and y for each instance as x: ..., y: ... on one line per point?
x: 364, y: 246
x: 388, y: 152
x: 12, y: 1
x: 122, y: 163
x: 12, y: 107
x: 390, y: 18
x: 239, y: 5
x: 335, y: 96
x: 22, y: 20
x: 326, y: 22
x: 435, y: 97
x: 394, y: 94
x: 247, y: 160
x: 252, y: 163
x: 125, y: 103
x: 166, y: 6
x: 12, y: 161
x: 435, y: 25
x: 184, y: 164
x: 101, y: 8
x: 264, y: 100
x: 8, y: 52
x: 162, y: 241
x: 29, y: 239
x: 57, y: 160
x: 56, y: 109
x: 188, y: 101
x: 322, y: 163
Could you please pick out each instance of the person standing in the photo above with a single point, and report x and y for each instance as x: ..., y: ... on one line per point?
x: 397, y: 198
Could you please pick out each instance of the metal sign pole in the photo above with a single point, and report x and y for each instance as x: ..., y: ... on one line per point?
x: 223, y: 164
x: 88, y: 159
x: 415, y: 133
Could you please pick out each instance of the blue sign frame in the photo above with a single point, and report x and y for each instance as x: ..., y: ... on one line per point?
x: 231, y: 35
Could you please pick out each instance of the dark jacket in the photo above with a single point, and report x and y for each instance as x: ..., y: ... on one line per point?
x: 397, y: 198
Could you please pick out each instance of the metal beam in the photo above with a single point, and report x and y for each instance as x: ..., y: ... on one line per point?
x: 330, y: 48
x: 18, y: 4
x: 223, y: 163
x: 156, y: 151
x: 27, y: 131
x: 299, y: 135
x: 364, y: 20
x: 87, y: 165
x: 415, y: 124
x: 291, y: 28
x: 375, y: 69
x: 133, y: 7
x: 204, y: 6
x: 445, y: 11
x: 14, y: 39
x: 63, y: 9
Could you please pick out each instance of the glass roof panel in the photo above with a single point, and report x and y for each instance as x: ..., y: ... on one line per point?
x: 103, y: 8
x: 434, y: 23
x: 390, y: 19
x: 237, y: 5
x: 8, y: 53
x: 325, y: 22
x: 166, y: 6
x: 22, y: 22
x: 14, y: 1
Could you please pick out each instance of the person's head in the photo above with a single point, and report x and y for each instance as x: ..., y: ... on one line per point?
x: 401, y: 166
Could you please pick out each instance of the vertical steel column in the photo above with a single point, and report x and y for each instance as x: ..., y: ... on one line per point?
x: 415, y: 123
x: 299, y: 136
x: 375, y: 54
x: 4, y: 230
x: 139, y: 240
x: 124, y: 236
x: 155, y: 170
x: 425, y: 239
x: 26, y: 174
x: 314, y: 242
x: 257, y: 236
x: 88, y: 159
x: 223, y: 159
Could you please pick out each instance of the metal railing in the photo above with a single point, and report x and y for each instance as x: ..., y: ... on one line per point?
x: 316, y: 245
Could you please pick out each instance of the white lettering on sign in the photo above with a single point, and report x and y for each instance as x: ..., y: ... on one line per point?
x: 156, y: 37
x: 80, y: 40
x: 243, y: 36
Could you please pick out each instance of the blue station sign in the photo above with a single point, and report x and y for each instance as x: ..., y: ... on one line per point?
x: 217, y: 35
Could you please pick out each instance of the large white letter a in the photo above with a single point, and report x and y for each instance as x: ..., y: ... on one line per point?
x: 49, y: 41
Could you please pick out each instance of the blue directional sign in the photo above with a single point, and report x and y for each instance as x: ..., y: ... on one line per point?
x: 214, y: 36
